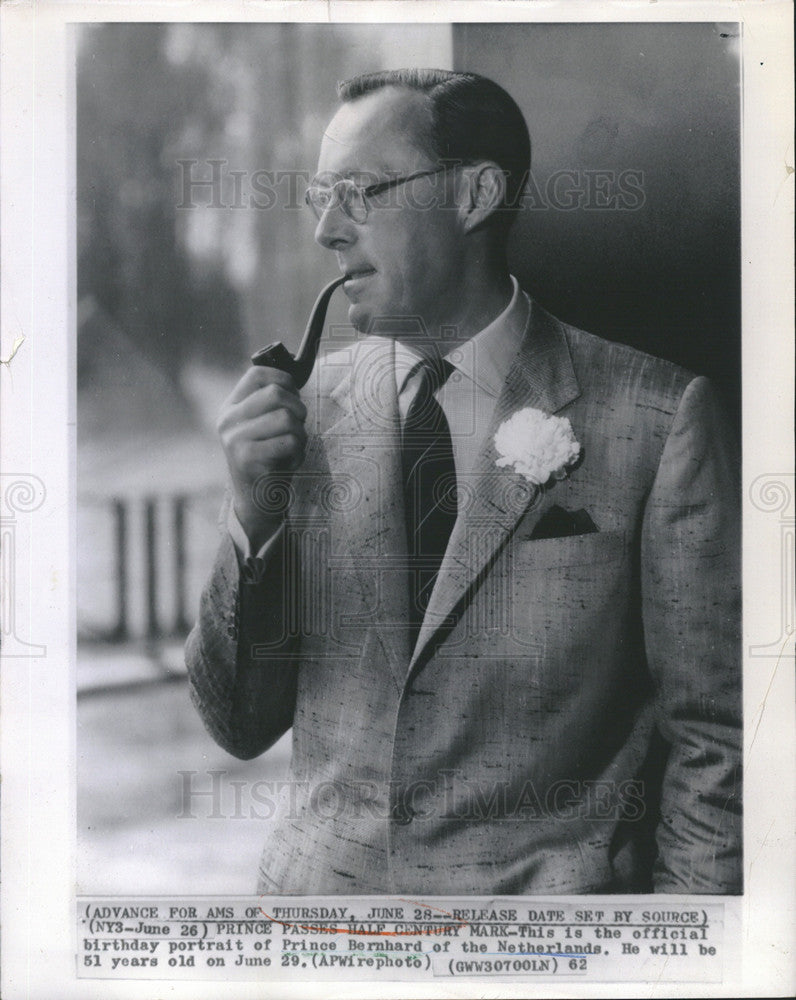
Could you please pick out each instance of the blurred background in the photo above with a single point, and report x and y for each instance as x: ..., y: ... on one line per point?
x: 194, y: 145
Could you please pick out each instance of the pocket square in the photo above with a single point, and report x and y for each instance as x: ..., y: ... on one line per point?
x: 560, y: 523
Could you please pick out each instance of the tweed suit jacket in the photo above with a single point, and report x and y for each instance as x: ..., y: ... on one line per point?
x: 569, y: 719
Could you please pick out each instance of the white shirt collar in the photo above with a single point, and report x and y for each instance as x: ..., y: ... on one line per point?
x: 486, y: 357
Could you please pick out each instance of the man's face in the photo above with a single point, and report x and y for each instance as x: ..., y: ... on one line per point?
x: 404, y: 259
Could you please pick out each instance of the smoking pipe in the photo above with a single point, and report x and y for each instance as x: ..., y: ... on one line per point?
x: 300, y: 367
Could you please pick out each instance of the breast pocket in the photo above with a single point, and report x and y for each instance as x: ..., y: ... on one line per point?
x: 596, y: 549
x: 569, y: 594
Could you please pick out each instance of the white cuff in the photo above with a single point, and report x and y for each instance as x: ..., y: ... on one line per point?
x: 241, y: 539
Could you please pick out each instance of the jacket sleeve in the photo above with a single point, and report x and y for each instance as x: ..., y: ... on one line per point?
x: 690, y: 577
x: 241, y: 657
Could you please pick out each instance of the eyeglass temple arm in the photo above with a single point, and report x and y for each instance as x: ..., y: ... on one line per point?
x: 300, y: 367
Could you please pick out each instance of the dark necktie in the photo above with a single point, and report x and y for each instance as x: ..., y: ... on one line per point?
x: 429, y: 488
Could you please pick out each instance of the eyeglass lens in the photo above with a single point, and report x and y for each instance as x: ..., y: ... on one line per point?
x: 344, y: 193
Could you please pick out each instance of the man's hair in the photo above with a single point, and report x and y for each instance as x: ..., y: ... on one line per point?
x: 472, y: 119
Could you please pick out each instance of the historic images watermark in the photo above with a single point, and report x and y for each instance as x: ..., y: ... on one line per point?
x: 20, y: 494
x: 215, y: 183
x: 450, y: 796
x: 774, y: 494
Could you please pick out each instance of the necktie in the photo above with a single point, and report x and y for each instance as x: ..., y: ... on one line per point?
x: 429, y: 488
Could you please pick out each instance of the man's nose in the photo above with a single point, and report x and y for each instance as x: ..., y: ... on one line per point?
x: 335, y: 229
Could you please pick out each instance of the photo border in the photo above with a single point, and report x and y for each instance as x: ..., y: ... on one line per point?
x: 38, y: 750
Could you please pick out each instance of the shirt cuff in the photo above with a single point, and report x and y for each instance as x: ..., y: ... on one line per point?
x: 241, y: 540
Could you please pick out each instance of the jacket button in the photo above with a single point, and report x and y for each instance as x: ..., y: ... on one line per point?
x: 232, y: 632
x: 401, y: 813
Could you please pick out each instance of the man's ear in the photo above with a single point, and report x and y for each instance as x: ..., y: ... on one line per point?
x: 484, y: 189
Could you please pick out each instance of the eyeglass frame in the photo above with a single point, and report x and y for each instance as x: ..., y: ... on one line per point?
x: 366, y: 192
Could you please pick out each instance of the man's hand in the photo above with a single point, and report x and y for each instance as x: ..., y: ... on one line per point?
x: 261, y: 426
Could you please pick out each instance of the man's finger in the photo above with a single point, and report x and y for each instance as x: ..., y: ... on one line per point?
x: 271, y: 425
x: 256, y: 378
x: 267, y: 398
x: 266, y: 454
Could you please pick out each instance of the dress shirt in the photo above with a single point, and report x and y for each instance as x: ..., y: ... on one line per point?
x: 468, y: 397
x: 470, y: 394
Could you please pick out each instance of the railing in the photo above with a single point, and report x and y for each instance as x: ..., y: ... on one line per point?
x: 142, y: 562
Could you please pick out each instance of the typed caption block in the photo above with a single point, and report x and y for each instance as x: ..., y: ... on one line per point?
x: 297, y: 938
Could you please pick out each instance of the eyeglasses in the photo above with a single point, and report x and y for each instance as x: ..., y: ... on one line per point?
x: 351, y: 197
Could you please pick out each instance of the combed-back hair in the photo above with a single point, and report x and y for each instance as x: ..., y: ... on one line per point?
x: 472, y: 119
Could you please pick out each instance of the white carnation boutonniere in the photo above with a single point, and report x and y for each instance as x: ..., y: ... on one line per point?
x: 537, y: 445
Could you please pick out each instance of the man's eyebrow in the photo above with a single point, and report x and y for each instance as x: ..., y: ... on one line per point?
x: 363, y: 178
x: 327, y: 178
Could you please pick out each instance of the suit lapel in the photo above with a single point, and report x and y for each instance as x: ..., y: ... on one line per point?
x: 542, y: 377
x: 364, y: 455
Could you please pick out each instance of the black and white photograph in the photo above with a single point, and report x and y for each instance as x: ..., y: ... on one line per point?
x: 416, y: 447
x: 473, y: 612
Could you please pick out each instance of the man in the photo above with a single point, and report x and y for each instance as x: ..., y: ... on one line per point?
x: 525, y: 685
